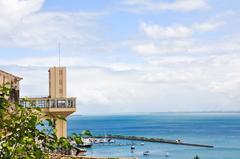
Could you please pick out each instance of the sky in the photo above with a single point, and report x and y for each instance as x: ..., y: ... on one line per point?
x: 127, y: 56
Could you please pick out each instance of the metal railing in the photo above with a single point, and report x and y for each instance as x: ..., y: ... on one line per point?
x: 49, y: 102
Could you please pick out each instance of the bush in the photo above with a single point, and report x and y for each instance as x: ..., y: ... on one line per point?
x: 19, y: 136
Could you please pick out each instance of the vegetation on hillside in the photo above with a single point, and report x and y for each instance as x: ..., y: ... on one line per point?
x: 19, y: 136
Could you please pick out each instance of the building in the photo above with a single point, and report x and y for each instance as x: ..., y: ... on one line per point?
x: 59, y: 103
x: 57, y: 82
x: 11, y: 81
x: 54, y: 105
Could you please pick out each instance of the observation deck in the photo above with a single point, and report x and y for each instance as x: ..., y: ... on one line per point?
x: 55, y: 106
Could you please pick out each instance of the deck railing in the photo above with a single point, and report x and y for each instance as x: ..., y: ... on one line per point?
x: 49, y: 102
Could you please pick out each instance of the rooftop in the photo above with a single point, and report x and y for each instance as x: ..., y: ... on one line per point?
x: 18, y: 78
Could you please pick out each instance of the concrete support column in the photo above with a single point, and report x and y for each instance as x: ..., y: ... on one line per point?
x: 61, y: 128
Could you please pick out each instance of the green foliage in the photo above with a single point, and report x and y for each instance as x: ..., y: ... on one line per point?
x: 77, y: 138
x: 19, y: 136
x: 86, y: 133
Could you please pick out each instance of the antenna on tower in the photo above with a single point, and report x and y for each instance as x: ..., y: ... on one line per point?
x: 59, y: 54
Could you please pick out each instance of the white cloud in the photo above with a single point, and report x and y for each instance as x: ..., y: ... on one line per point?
x: 168, y: 77
x: 163, y: 40
x: 146, y: 49
x: 124, y: 87
x: 23, y: 24
x: 172, y: 70
x: 140, y: 6
x: 157, y: 31
x: 44, y: 30
x: 13, y: 11
x: 47, y: 61
x: 163, y: 47
x: 188, y: 47
x: 207, y: 26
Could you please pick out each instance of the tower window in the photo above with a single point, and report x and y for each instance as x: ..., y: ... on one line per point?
x: 60, y: 72
x: 60, y: 82
x: 60, y: 91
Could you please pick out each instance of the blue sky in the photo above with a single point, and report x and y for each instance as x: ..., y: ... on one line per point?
x: 129, y: 55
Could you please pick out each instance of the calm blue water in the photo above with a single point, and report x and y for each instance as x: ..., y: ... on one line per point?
x: 220, y: 130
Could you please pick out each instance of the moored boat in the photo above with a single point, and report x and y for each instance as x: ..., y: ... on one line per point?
x: 85, y: 145
x: 105, y: 140
x: 167, y: 154
x: 111, y: 141
x: 87, y: 142
x: 146, y: 153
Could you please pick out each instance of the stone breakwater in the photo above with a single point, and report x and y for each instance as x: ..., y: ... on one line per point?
x: 158, y: 140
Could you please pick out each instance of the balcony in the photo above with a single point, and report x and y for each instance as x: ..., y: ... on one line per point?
x: 55, y: 106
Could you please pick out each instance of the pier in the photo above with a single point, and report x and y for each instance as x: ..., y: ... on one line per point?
x: 157, y: 140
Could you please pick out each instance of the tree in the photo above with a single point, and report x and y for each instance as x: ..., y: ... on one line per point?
x: 19, y: 136
x: 86, y: 133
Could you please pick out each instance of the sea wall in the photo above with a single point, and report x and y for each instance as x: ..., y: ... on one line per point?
x: 158, y: 140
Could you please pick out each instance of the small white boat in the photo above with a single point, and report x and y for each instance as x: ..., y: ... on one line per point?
x: 111, y: 141
x: 146, y: 153
x: 142, y: 144
x: 132, y: 147
x: 85, y: 145
x: 97, y: 141
x: 87, y: 142
x: 167, y: 154
x: 103, y: 140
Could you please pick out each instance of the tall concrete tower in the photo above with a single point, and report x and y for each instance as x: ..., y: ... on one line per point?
x: 58, y: 92
x: 57, y: 82
x: 57, y: 103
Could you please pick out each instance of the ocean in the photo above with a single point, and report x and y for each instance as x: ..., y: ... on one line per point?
x: 222, y: 130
